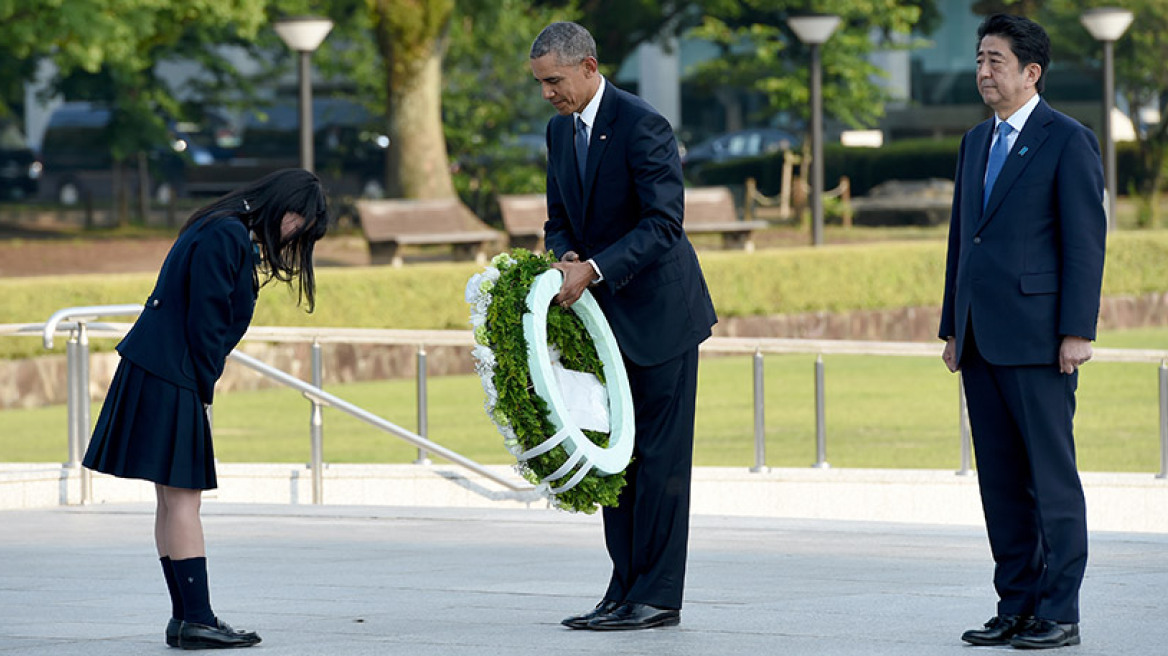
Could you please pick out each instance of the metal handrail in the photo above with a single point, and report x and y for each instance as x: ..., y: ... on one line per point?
x: 82, y: 313
x: 317, y: 395
x: 429, y: 338
x: 78, y: 377
x: 422, y: 338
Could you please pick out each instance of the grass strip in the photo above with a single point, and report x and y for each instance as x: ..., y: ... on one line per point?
x: 885, y: 412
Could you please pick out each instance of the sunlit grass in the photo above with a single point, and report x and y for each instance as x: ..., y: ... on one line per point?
x: 896, y: 412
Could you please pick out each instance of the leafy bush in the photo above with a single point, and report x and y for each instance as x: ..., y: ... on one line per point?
x: 909, y: 159
x: 430, y: 296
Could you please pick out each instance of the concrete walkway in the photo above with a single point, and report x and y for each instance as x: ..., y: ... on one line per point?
x: 346, y: 580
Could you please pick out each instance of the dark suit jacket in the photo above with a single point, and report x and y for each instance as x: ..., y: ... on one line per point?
x: 1029, y: 269
x: 627, y: 217
x: 201, y: 306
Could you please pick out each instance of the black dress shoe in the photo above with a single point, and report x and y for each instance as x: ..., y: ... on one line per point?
x: 1045, y: 634
x: 631, y: 616
x: 221, y: 636
x: 581, y: 621
x: 172, y: 628
x: 997, y: 631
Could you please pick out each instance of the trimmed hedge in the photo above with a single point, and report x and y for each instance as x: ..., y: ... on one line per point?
x: 430, y: 296
x: 909, y: 159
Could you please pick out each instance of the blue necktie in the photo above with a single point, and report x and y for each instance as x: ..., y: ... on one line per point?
x: 998, y: 156
x: 581, y: 147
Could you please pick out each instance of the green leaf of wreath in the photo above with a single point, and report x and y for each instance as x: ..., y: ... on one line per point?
x: 517, y: 403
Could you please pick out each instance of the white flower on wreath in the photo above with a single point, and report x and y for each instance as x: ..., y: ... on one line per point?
x: 510, y: 440
x: 491, y: 392
x: 490, y: 275
x: 478, y: 295
x: 485, y: 356
x: 554, y: 354
x: 473, y: 288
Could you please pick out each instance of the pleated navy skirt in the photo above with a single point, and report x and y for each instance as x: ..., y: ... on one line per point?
x: 152, y: 429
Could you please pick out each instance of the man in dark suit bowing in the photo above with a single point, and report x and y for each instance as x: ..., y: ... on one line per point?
x: 615, y: 203
x: 1022, y: 284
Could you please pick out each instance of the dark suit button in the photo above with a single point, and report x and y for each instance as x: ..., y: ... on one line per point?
x: 977, y: 240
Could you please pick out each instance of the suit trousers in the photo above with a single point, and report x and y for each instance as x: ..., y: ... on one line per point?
x: 1021, y: 418
x: 647, y: 533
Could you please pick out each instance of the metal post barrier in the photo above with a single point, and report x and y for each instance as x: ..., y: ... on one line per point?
x: 1163, y: 419
x: 72, y: 398
x: 759, y: 418
x: 317, y: 427
x: 966, y: 439
x: 423, y: 429
x: 820, y: 417
x: 82, y: 390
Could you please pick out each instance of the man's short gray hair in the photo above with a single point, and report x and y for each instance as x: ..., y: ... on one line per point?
x: 570, y: 42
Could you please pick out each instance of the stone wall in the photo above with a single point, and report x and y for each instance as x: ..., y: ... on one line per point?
x: 40, y: 381
x: 35, y: 382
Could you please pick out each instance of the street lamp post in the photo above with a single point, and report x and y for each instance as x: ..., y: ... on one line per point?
x: 814, y: 30
x: 1107, y: 24
x: 304, y: 34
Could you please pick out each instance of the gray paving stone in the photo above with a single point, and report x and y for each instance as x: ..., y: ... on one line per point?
x: 353, y: 580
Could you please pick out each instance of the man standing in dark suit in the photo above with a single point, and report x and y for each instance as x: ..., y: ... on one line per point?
x: 1022, y: 285
x: 615, y: 203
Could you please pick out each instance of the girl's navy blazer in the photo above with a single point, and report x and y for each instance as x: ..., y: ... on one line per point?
x: 201, y: 306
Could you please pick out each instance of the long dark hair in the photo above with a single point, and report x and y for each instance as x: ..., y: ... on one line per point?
x: 261, y: 206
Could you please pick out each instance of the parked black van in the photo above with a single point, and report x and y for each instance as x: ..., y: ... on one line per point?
x: 213, y: 159
x: 77, y: 162
x: 349, y: 152
x: 20, y: 170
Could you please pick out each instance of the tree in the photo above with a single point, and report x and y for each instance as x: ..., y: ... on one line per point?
x: 452, y: 83
x: 392, y: 53
x: 490, y: 101
x: 108, y: 51
x: 1015, y: 7
x: 620, y: 26
x: 411, y: 39
x: 1141, y: 79
x: 760, y: 52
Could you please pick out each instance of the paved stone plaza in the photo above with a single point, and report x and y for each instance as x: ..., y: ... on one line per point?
x: 347, y: 580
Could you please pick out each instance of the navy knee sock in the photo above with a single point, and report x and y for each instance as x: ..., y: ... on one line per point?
x: 176, y: 604
x: 191, y: 575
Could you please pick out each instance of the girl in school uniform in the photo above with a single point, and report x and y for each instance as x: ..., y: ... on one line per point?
x: 154, y: 424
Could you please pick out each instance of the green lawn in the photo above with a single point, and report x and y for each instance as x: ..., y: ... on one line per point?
x: 881, y: 412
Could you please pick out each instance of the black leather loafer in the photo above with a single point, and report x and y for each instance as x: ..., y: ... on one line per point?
x: 997, y: 631
x: 1046, y: 634
x: 201, y: 636
x: 581, y: 621
x: 631, y: 616
x: 172, y: 628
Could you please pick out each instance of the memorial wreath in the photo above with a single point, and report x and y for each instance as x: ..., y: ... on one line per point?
x: 554, y: 379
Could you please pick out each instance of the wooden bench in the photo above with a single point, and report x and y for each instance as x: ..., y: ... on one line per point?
x: 390, y: 224
x: 707, y: 210
x: 523, y: 219
x: 711, y: 210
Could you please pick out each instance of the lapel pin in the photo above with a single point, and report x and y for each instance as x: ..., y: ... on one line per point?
x: 603, y: 137
x: 1023, y: 151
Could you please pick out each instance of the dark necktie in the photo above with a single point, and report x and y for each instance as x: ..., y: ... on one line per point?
x: 581, y: 147
x: 997, y: 158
